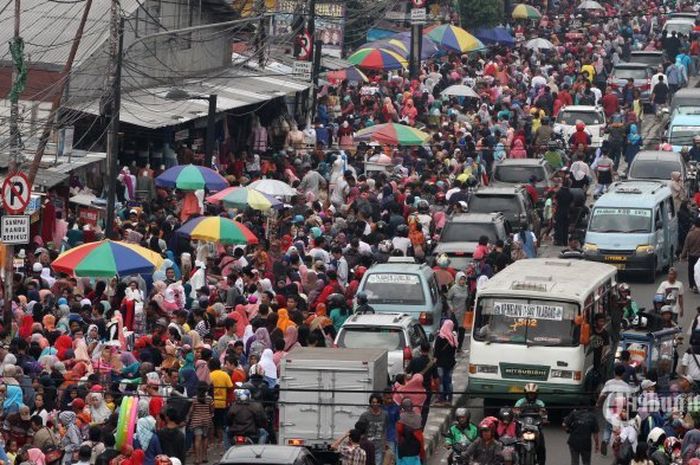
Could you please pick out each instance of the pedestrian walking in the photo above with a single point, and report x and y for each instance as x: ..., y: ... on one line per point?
x: 582, y: 428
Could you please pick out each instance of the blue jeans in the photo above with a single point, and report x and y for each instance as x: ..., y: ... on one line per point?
x: 263, y: 436
x: 379, y: 455
x: 445, y: 375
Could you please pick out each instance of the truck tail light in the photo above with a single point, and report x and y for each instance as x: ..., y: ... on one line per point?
x: 407, y: 356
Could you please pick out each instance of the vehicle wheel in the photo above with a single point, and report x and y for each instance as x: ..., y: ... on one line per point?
x: 651, y: 274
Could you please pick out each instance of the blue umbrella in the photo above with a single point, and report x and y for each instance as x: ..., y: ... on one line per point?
x: 494, y: 36
x: 428, y: 48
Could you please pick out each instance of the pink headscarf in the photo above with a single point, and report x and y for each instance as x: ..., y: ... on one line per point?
x: 447, y: 334
x: 36, y: 456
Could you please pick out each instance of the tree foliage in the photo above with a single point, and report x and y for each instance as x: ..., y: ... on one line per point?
x: 480, y: 13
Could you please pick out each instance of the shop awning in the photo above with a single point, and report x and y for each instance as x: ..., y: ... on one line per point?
x: 149, y: 107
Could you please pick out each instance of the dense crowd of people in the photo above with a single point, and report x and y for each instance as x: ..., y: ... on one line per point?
x: 199, y: 342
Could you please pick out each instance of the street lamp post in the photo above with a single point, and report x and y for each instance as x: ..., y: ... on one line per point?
x: 178, y: 94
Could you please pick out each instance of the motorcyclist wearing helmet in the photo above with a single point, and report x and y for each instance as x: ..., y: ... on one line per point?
x: 506, y: 427
x: 424, y: 217
x: 485, y: 450
x: 463, y: 430
x: 363, y: 307
x: 530, y: 405
x: 630, y: 309
x: 553, y: 156
x: 401, y: 241
x: 245, y: 417
x: 655, y: 441
x: 580, y: 137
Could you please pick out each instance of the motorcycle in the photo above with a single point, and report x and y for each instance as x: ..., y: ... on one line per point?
x: 529, y: 427
x: 457, y: 452
x: 243, y: 439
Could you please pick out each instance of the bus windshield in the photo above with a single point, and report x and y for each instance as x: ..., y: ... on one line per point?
x: 533, y: 322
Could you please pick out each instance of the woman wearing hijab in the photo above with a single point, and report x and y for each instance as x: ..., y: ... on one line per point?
x: 634, y: 144
x: 241, y: 318
x: 13, y: 399
x: 409, y: 435
x: 414, y: 390
x: 268, y: 365
x: 146, y: 439
x: 188, y: 378
x: 444, y: 353
x: 99, y: 412
x: 70, y: 442
x: 283, y: 321
x: 260, y: 341
x: 291, y: 338
x: 457, y: 300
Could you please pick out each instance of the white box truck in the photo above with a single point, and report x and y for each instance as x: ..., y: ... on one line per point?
x: 324, y: 391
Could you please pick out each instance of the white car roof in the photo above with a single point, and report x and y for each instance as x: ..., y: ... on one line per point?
x: 591, y: 108
x: 380, y: 319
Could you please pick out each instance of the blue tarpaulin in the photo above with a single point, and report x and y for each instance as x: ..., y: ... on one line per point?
x: 494, y: 36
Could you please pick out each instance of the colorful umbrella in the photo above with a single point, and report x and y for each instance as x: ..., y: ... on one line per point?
x: 524, y: 11
x: 351, y: 74
x: 459, y: 90
x: 454, y: 38
x: 244, y: 197
x: 191, y: 178
x: 590, y: 5
x: 398, y: 134
x: 218, y: 229
x: 107, y: 259
x: 377, y: 58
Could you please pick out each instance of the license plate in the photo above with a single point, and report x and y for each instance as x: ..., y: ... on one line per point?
x: 615, y: 258
x: 619, y: 266
x: 516, y: 389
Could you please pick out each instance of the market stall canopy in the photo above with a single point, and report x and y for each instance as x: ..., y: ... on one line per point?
x: 235, y: 88
x: 274, y: 188
x: 590, y: 5
x: 525, y: 11
x: 428, y: 47
x: 454, y: 39
x: 191, y: 178
x: 495, y: 36
x: 242, y: 197
x: 107, y: 259
x: 377, y: 59
x: 458, y: 90
x: 218, y: 229
x: 540, y: 44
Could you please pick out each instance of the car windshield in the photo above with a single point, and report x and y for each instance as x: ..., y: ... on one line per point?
x: 518, y: 174
x: 507, y: 204
x: 655, y: 169
x: 371, y: 337
x: 620, y: 220
x: 686, y: 110
x: 589, y: 118
x: 682, y: 28
x: 394, y: 288
x: 683, y: 135
x: 630, y: 73
x: 468, y: 232
x: 526, y: 321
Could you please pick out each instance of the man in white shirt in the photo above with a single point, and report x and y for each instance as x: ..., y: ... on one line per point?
x: 614, y: 397
x: 672, y: 289
x: 341, y: 265
x: 656, y: 77
x: 690, y: 364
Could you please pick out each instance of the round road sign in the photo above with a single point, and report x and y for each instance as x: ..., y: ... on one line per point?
x: 15, y: 193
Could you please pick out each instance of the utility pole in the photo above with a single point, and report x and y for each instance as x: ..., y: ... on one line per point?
x: 19, y: 76
x: 114, y: 104
x: 418, y: 16
x: 261, y: 34
x: 211, y: 127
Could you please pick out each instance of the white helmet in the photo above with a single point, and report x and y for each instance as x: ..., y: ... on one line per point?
x: 655, y: 435
x: 443, y: 261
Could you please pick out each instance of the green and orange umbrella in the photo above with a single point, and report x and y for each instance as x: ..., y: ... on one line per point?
x: 242, y: 197
x: 377, y: 58
x: 191, y: 178
x: 393, y: 134
x: 525, y: 11
x: 454, y: 38
x: 218, y: 229
x: 107, y: 259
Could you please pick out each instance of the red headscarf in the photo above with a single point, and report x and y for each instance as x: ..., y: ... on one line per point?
x: 26, y: 329
x: 63, y: 343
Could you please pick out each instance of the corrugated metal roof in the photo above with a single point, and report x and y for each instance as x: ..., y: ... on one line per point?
x: 48, y: 27
x: 234, y: 89
x: 334, y: 64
